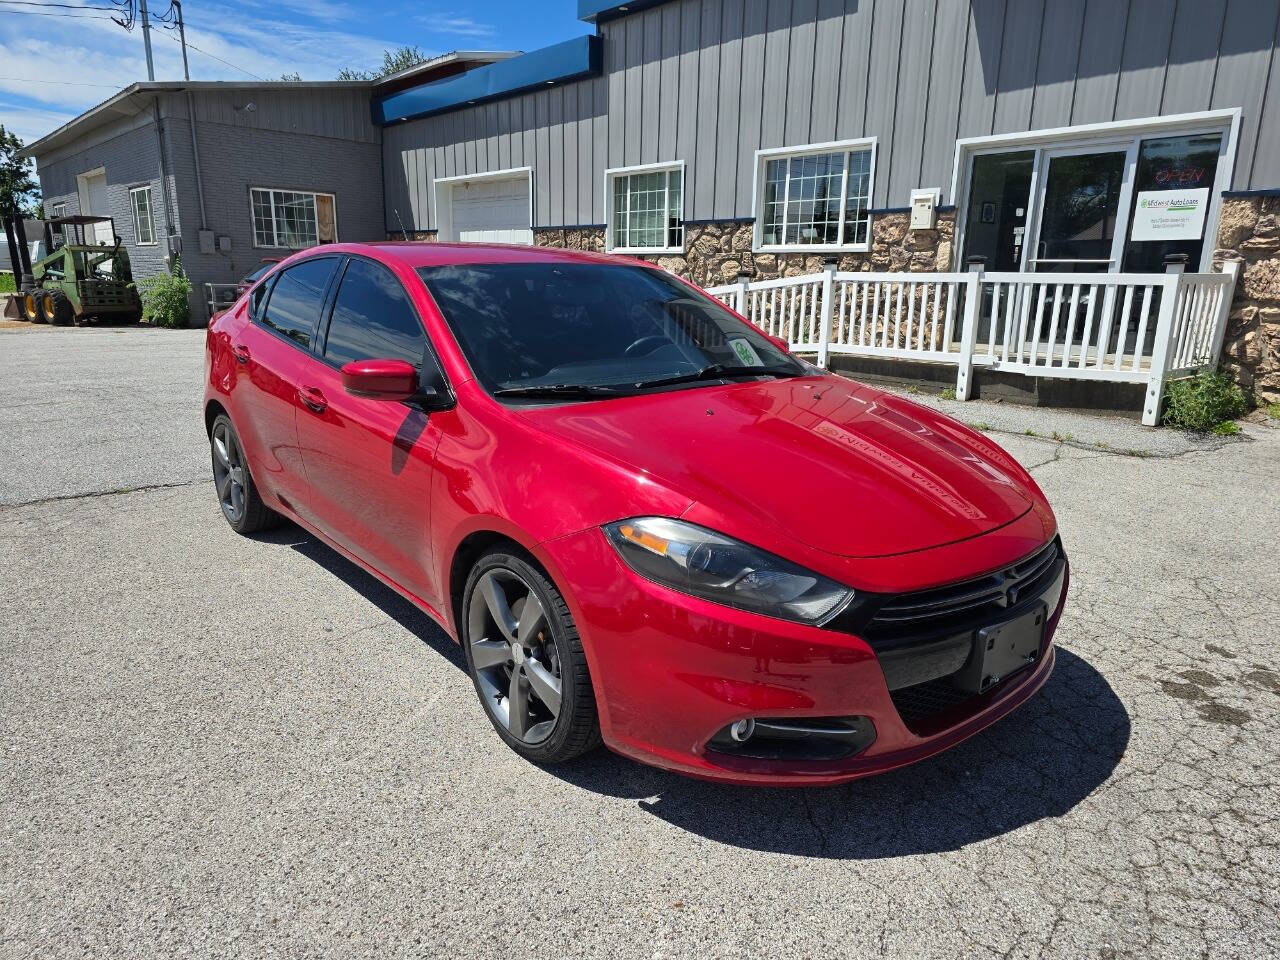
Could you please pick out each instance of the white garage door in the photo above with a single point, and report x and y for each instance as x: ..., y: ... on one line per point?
x: 491, y: 211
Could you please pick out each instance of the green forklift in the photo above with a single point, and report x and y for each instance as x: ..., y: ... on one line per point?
x: 75, y: 281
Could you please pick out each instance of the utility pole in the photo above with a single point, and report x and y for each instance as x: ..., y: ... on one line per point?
x: 182, y: 36
x: 146, y: 40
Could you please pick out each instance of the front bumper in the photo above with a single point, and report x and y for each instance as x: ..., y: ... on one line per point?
x: 671, y: 670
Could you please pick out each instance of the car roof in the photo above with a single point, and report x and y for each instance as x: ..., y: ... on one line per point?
x: 425, y: 254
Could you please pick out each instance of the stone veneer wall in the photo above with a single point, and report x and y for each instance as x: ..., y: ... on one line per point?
x: 1249, y: 232
x: 716, y: 252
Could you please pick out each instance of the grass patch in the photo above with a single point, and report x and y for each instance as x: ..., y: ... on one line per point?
x: 1273, y: 410
x: 981, y: 425
x: 1203, y: 402
x: 1227, y: 428
x: 6, y: 283
x: 948, y: 394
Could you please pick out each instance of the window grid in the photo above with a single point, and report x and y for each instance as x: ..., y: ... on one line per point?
x: 647, y: 211
x: 144, y: 229
x: 285, y: 218
x: 817, y: 199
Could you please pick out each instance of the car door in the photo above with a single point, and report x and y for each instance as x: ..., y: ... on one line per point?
x: 272, y: 350
x: 369, y: 462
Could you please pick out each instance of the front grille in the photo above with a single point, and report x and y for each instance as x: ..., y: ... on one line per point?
x: 927, y: 700
x: 957, y: 606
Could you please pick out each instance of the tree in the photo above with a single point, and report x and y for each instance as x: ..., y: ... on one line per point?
x: 294, y: 77
x: 393, y: 61
x: 18, y: 188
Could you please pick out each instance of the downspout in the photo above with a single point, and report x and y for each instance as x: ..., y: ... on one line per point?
x: 164, y: 174
x: 195, y: 155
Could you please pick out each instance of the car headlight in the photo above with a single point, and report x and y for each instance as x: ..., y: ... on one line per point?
x: 710, y: 565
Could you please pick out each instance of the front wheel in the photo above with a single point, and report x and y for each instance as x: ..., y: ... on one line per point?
x: 237, y: 494
x: 526, y: 661
x: 57, y: 308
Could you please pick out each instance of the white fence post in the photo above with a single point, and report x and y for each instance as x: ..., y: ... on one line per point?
x: 744, y: 279
x: 969, y: 329
x: 1232, y: 269
x: 1164, y: 340
x: 828, y: 308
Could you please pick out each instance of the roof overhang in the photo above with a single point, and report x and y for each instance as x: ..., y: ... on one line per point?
x: 428, y: 67
x: 565, y: 62
x: 597, y: 11
x: 137, y: 97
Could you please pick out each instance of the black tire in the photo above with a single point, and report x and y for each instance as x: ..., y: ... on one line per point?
x: 31, y: 307
x: 56, y: 308
x: 576, y: 727
x: 241, y: 504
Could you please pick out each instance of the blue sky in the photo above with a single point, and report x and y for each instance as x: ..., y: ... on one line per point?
x: 55, y: 62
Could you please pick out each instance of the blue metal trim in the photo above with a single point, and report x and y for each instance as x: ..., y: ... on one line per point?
x: 560, y: 63
x: 595, y: 11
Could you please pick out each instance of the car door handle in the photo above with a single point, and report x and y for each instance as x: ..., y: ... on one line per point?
x: 313, y: 399
x: 240, y: 352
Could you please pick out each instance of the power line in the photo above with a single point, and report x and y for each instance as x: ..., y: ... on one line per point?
x: 68, y: 83
x: 234, y: 66
x: 51, y: 13
x: 48, y: 3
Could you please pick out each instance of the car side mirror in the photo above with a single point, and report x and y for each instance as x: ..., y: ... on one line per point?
x: 381, y: 379
x: 778, y: 342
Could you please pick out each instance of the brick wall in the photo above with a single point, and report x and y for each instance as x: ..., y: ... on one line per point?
x: 131, y: 160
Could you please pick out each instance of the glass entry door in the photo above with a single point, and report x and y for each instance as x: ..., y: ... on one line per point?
x: 1083, y: 203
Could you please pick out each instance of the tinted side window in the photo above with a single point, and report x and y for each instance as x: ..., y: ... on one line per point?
x: 373, y: 317
x: 258, y: 298
x: 293, y: 308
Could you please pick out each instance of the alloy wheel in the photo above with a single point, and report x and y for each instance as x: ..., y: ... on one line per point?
x: 514, y: 654
x: 228, y: 471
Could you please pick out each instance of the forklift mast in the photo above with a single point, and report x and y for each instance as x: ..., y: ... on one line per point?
x: 15, y: 232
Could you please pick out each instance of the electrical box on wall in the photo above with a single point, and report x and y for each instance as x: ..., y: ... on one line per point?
x: 224, y: 244
x: 206, y: 240
x: 924, y: 208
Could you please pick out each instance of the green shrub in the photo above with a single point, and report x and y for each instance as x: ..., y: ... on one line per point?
x: 6, y: 283
x: 1202, y: 402
x: 164, y: 298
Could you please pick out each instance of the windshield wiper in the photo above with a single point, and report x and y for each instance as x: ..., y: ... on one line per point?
x: 568, y: 391
x: 719, y: 371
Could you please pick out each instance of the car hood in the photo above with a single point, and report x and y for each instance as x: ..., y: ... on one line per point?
x: 841, y: 467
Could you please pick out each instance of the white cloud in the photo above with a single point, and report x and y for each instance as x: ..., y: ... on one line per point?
x: 457, y: 26
x: 31, y: 123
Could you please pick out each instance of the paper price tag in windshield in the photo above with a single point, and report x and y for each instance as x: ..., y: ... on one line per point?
x: 747, y: 355
x: 1170, y: 214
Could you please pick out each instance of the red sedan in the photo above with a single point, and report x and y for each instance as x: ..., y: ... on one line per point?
x: 644, y: 521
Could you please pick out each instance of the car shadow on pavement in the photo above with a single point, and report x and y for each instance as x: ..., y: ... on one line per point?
x: 371, y: 588
x: 1038, y: 762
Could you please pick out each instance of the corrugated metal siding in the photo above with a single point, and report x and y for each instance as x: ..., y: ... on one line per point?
x: 710, y: 82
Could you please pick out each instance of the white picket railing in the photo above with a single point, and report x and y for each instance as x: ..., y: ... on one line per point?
x: 1127, y: 327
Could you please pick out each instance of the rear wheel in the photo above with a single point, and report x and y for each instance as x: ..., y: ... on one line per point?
x: 57, y: 308
x: 31, y: 307
x: 237, y: 494
x: 526, y: 660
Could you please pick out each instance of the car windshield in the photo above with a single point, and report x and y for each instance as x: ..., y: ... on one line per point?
x: 593, y: 329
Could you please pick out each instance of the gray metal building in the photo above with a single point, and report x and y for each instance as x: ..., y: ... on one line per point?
x: 870, y: 99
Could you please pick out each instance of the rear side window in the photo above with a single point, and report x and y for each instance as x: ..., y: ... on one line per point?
x: 293, y: 309
x: 373, y: 317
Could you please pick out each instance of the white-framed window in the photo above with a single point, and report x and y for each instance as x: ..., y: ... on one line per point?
x: 645, y: 212
x: 144, y: 227
x: 292, y: 219
x: 815, y: 197
x: 58, y: 210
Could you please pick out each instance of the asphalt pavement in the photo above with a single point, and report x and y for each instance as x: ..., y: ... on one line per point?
x: 213, y: 746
